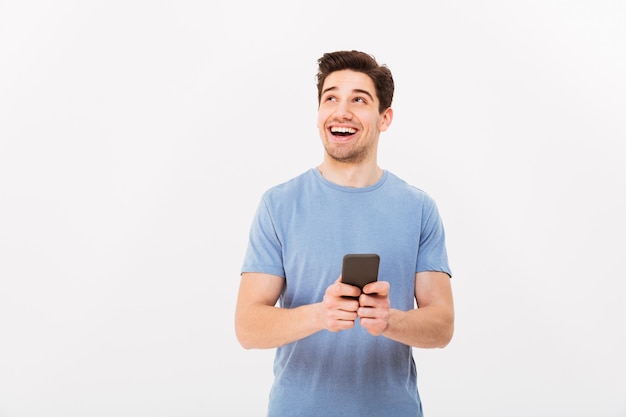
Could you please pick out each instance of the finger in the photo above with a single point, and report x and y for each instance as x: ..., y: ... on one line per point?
x: 374, y: 326
x: 374, y: 301
x: 348, y: 304
x: 346, y: 290
x: 378, y: 287
x: 373, y: 315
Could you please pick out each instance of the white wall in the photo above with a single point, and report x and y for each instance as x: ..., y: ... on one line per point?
x: 137, y: 137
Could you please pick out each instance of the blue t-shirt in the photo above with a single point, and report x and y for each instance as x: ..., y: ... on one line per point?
x: 301, y: 231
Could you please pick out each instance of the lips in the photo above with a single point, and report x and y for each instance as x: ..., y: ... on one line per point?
x: 342, y: 133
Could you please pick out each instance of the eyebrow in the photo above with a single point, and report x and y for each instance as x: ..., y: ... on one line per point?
x: 356, y: 90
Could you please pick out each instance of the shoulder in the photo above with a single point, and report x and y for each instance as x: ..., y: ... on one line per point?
x: 408, y: 191
x: 290, y: 188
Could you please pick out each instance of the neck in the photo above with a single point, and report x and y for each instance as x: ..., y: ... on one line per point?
x: 350, y: 175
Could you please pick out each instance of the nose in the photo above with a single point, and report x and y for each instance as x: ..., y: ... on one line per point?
x: 343, y: 111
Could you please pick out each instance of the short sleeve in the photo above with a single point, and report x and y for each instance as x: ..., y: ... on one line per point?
x: 432, y: 254
x: 264, y: 252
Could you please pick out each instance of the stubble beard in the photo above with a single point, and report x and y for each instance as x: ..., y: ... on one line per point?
x: 347, y: 156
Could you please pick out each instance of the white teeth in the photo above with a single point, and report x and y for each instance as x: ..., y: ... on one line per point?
x: 342, y: 130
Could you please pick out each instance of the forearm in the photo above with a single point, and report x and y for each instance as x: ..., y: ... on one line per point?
x: 426, y: 327
x: 260, y: 326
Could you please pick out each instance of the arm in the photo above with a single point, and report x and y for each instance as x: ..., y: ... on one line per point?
x: 431, y: 325
x: 260, y: 324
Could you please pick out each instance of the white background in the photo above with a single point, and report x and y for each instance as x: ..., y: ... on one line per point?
x: 136, y: 138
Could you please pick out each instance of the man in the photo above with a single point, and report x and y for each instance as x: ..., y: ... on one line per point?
x: 342, y: 351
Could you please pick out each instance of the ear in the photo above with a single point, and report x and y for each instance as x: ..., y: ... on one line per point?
x: 385, y: 120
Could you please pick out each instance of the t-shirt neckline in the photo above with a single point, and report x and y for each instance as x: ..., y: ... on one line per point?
x: 343, y: 188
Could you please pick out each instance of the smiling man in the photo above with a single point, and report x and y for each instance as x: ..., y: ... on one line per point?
x: 350, y: 123
x: 340, y: 350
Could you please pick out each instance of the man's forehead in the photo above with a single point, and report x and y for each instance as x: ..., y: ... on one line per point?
x: 349, y: 80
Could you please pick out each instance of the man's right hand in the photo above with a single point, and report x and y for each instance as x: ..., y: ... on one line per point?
x: 338, y: 308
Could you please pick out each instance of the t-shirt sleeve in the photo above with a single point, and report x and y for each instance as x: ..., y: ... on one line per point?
x: 432, y: 254
x: 264, y: 252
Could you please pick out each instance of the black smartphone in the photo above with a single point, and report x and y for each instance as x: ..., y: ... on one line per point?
x: 360, y: 269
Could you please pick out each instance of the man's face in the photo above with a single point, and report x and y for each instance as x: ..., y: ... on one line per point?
x: 348, y: 118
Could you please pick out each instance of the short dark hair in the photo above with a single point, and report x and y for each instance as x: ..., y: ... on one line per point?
x: 360, y: 62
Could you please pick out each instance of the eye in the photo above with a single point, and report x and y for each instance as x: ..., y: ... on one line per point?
x: 360, y: 100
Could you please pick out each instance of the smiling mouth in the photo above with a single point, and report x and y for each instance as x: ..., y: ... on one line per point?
x: 342, y: 131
